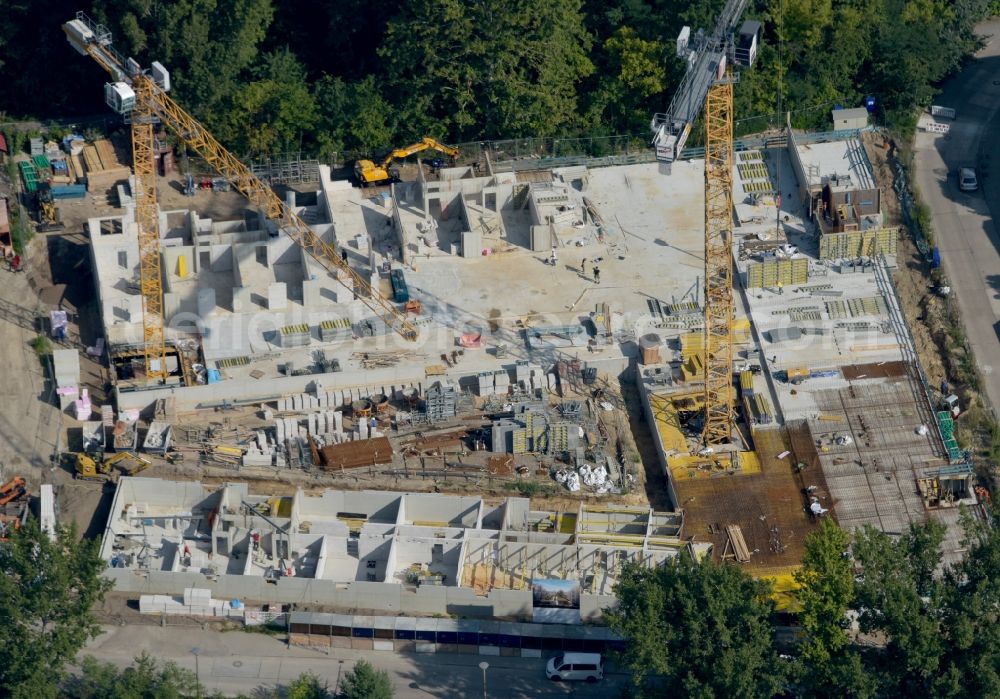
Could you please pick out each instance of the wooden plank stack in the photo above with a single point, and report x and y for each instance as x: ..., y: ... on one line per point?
x: 103, y: 168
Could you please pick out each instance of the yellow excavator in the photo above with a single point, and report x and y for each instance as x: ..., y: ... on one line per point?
x: 48, y: 214
x: 369, y: 173
x: 124, y: 463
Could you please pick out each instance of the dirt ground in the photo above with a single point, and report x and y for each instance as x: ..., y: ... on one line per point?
x: 935, y: 326
x: 452, y: 468
x: 912, y: 277
x: 58, y: 276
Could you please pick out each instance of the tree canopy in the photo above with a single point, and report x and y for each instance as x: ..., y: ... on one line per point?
x: 278, y: 75
x: 697, y: 629
x: 363, y: 681
x: 880, y: 616
x: 47, y: 591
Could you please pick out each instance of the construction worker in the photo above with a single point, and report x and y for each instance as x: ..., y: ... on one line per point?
x: 583, y: 266
x: 597, y: 275
x: 552, y: 256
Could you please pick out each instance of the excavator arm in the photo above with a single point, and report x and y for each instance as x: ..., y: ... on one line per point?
x: 369, y: 172
x: 427, y: 143
x: 151, y: 98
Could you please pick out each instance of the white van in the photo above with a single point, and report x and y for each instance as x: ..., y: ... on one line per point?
x: 575, y: 666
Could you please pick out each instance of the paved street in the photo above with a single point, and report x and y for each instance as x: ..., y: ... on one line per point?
x: 240, y: 662
x: 966, y: 223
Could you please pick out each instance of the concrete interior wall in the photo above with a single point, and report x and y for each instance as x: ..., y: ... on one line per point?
x: 440, y: 556
x: 442, y: 509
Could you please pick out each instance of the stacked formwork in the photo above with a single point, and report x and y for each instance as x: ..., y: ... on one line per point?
x: 870, y: 243
x: 335, y: 329
x: 772, y: 273
x: 295, y: 335
x: 439, y: 402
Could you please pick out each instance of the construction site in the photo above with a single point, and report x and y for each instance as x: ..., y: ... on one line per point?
x: 483, y: 386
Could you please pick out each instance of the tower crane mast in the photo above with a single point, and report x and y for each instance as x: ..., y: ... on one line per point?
x: 141, y: 96
x: 708, y: 84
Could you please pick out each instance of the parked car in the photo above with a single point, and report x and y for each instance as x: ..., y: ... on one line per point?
x: 575, y: 666
x: 967, y: 181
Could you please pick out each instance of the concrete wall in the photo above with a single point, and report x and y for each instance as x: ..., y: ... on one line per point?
x: 208, y: 395
x: 793, y: 156
x: 347, y: 597
x: 647, y: 410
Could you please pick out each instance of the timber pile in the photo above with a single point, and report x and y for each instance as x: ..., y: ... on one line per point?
x: 379, y: 360
x: 103, y: 169
x: 365, y: 452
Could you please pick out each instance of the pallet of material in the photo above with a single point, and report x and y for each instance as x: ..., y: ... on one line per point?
x: 76, y: 167
x: 366, y: 452
x: 103, y: 168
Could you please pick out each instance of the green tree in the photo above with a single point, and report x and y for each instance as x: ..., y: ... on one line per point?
x: 365, y: 682
x: 703, y: 627
x: 47, y: 591
x: 146, y: 677
x: 206, y: 44
x: 307, y: 686
x: 891, y: 602
x: 468, y: 70
x: 631, y: 83
x: 354, y: 116
x: 826, y: 591
x: 272, y: 113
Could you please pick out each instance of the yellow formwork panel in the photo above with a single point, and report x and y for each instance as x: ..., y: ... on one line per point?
x: 749, y: 462
x: 870, y: 243
x: 784, y: 587
x: 566, y: 523
x: 668, y: 424
x: 741, y: 330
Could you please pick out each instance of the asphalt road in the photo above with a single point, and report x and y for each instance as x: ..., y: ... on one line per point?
x: 237, y: 662
x: 965, y: 223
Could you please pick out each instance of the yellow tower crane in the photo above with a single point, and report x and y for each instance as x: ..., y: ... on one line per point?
x: 708, y: 83
x: 142, y: 97
x: 719, y: 310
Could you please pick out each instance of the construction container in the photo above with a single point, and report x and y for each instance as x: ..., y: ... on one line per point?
x: 400, y: 292
x: 93, y: 437
x: 649, y: 347
x: 157, y: 439
x: 29, y: 175
x: 69, y: 191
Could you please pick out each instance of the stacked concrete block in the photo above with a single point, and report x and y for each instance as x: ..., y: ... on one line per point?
x: 200, y: 603
x: 485, y: 379
x: 501, y: 382
x: 522, y: 371
x: 295, y: 335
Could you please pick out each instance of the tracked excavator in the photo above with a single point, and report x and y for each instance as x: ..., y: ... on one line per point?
x: 370, y: 173
x: 124, y: 463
